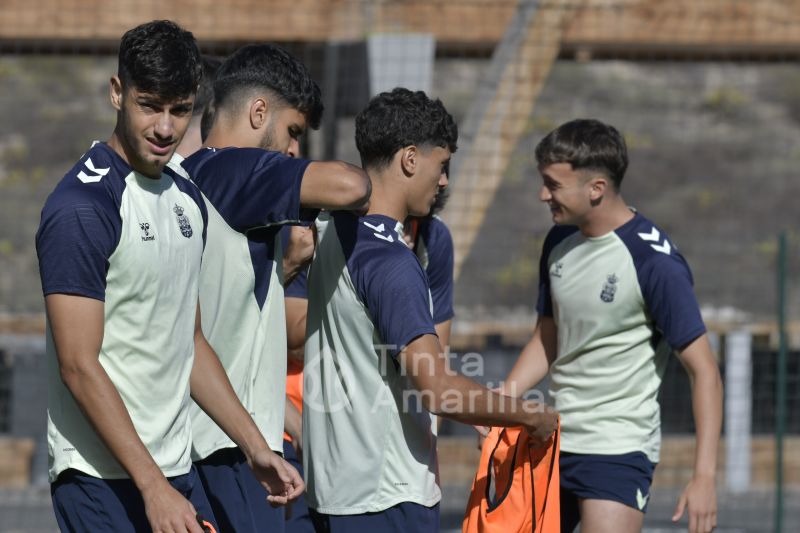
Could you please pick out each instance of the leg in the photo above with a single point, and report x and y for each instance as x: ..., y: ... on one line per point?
x: 401, y: 518
x: 192, y: 489
x: 85, y: 503
x: 570, y: 512
x: 606, y: 516
x: 238, y: 500
x: 604, y: 492
x: 297, y: 517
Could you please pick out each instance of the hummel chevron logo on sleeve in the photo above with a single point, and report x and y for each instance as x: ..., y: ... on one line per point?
x: 655, y: 236
x: 378, y: 230
x: 97, y: 173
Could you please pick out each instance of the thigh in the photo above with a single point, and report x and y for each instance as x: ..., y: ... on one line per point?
x: 238, y: 500
x: 607, y: 516
x: 84, y: 503
x: 624, y: 478
x: 192, y: 489
x: 297, y: 516
x: 570, y: 512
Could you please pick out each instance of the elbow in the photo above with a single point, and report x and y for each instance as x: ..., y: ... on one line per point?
x: 356, y: 188
x: 431, y: 398
x: 73, y: 374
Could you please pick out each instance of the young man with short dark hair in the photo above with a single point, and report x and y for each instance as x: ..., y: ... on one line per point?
x: 615, y: 299
x: 374, y: 369
x: 253, y: 181
x: 120, y: 245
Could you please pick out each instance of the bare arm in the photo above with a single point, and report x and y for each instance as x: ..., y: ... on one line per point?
x: 296, y: 310
x: 77, y: 327
x: 335, y: 185
x: 700, y: 493
x: 454, y: 396
x: 443, y: 332
x: 212, y: 391
x: 535, y: 360
x: 293, y: 424
x: 299, y: 251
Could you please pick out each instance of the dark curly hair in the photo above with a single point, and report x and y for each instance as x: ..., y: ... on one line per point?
x: 160, y: 58
x: 586, y: 144
x: 266, y: 66
x: 400, y: 118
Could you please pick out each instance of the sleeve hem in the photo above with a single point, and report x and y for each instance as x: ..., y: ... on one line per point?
x: 75, y: 291
x: 687, y: 339
x: 411, y: 337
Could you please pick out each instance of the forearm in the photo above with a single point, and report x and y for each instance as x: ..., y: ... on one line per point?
x: 212, y: 391
x: 102, y: 405
x: 707, y: 410
x: 292, y: 420
x: 459, y: 398
x: 534, y: 362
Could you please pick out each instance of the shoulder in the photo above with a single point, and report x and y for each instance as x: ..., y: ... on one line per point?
x: 97, y: 181
x: 557, y: 235
x: 373, y: 243
x: 650, y: 246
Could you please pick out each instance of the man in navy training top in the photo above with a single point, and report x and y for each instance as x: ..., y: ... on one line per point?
x: 615, y: 300
x: 375, y: 373
x: 120, y: 245
x: 264, y: 99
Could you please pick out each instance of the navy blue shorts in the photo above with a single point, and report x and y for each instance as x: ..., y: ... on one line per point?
x: 298, y: 520
x: 86, y: 503
x: 401, y: 518
x: 238, y: 499
x: 622, y: 478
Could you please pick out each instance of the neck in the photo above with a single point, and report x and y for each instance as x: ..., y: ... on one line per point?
x: 123, y: 150
x: 612, y: 213
x: 385, y: 199
x: 225, y: 134
x: 191, y: 139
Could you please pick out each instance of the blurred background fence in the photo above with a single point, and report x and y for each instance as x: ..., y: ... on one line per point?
x: 706, y: 92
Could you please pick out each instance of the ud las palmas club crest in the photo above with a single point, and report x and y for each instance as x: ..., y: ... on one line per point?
x: 183, y: 222
x: 609, y: 288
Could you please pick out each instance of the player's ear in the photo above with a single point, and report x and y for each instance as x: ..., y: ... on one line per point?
x: 597, y: 188
x: 115, y: 92
x: 408, y: 160
x: 259, y: 109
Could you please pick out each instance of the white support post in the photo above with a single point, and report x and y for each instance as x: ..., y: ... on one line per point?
x: 738, y: 410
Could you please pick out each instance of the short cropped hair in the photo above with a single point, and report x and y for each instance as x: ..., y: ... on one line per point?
x: 205, y: 92
x: 160, y: 58
x: 586, y: 144
x: 266, y: 66
x: 393, y: 120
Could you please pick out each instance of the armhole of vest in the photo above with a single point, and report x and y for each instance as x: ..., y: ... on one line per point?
x: 489, y: 505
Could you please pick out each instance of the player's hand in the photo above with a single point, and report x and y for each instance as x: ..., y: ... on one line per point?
x: 282, y: 480
x: 300, y: 249
x: 541, y: 422
x: 168, y: 511
x: 700, y: 497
